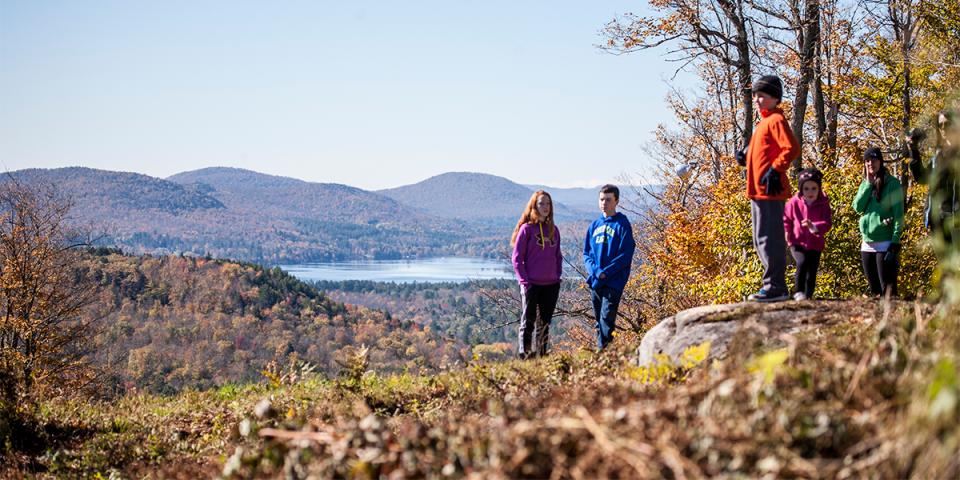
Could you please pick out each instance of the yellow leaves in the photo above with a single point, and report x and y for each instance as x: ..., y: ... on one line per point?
x: 663, y: 370
x: 660, y: 371
x: 944, y: 390
x: 768, y: 365
x: 695, y: 355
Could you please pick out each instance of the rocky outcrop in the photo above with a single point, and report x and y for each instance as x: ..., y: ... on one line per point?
x: 719, y: 324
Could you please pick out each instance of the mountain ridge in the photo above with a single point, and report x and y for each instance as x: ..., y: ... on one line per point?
x: 488, y: 197
x: 234, y: 213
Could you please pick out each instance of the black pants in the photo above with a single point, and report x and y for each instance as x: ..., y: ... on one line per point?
x: 881, y: 274
x: 808, y: 262
x: 536, y: 328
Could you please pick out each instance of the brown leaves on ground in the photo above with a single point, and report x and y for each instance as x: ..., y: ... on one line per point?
x: 873, y: 397
x: 831, y: 403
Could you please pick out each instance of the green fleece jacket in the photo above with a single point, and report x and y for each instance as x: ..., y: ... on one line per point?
x: 873, y: 213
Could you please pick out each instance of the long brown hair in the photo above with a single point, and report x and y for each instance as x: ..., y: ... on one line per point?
x: 531, y: 215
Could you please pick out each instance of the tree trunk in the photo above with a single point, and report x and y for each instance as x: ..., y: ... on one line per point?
x: 746, y: 98
x: 833, y: 113
x: 906, y: 74
x: 734, y: 12
x: 809, y: 32
x: 819, y: 108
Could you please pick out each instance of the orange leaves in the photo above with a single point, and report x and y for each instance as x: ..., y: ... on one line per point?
x: 41, y: 328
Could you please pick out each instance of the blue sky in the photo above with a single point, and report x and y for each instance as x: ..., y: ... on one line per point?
x: 371, y: 94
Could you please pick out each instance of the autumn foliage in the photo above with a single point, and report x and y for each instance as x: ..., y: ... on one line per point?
x: 877, y: 69
x: 43, y: 326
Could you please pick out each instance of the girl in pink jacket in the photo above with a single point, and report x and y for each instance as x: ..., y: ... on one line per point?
x: 538, y: 264
x: 807, y: 218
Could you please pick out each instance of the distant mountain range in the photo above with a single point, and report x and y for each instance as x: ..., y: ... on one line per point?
x: 472, y: 196
x: 102, y: 192
x: 246, y: 215
x: 586, y: 199
x: 284, y: 197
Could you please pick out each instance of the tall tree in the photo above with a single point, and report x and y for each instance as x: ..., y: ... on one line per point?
x: 719, y: 29
x: 802, y: 19
x: 42, y: 296
x: 900, y: 17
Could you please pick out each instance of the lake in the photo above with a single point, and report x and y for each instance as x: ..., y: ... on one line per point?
x: 447, y: 269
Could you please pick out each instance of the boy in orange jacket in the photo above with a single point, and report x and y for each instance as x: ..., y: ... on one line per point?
x: 772, y: 149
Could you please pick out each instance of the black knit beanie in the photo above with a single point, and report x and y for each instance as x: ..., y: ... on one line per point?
x: 769, y: 84
x: 809, y: 175
x: 872, y: 153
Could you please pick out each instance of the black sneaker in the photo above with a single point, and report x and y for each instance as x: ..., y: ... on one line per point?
x: 767, y: 296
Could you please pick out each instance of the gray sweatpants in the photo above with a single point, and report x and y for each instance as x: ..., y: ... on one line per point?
x: 770, y: 242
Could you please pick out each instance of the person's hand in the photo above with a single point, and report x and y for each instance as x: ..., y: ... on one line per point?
x: 602, y: 276
x: 771, y: 182
x: 806, y: 223
x: 892, y: 251
x: 741, y: 157
x: 915, y: 136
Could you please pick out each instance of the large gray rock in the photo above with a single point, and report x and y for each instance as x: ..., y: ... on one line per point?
x: 718, y: 324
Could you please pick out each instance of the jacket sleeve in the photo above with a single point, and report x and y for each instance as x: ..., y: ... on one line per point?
x: 625, y: 249
x: 896, y: 205
x: 588, y: 255
x: 789, y: 148
x: 559, y: 253
x: 920, y: 173
x: 823, y: 226
x: 862, y: 198
x: 788, y: 220
x: 520, y: 256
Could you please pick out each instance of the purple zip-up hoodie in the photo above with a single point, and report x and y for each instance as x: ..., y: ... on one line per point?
x: 537, y: 261
x: 818, y: 212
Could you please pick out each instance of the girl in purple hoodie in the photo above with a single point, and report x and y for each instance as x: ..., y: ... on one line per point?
x: 538, y: 265
x: 807, y: 218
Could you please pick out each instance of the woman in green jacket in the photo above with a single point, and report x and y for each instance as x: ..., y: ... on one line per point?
x: 943, y: 198
x: 879, y: 201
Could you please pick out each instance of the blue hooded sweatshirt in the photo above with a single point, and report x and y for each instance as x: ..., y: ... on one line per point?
x: 608, y: 248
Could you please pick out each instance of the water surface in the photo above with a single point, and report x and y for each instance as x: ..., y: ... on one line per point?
x: 446, y: 269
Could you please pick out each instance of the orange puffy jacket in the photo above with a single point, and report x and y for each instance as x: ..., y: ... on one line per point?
x: 772, y: 144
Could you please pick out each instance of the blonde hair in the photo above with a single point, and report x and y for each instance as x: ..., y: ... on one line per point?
x: 532, y: 216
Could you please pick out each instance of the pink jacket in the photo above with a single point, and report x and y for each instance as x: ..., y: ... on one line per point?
x: 537, y: 261
x: 818, y: 212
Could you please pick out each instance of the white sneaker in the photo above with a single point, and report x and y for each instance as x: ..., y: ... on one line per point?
x: 799, y: 296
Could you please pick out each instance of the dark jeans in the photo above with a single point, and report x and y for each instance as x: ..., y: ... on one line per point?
x: 606, y: 300
x: 536, y: 328
x: 881, y: 274
x: 808, y: 262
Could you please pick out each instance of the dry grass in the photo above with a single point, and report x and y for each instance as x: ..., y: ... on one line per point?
x: 849, y: 400
x: 875, y: 395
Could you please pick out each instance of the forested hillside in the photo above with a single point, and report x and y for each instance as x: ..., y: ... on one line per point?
x: 477, y: 197
x: 170, y: 323
x: 279, y: 197
x: 102, y: 193
x: 466, y: 311
x: 249, y: 216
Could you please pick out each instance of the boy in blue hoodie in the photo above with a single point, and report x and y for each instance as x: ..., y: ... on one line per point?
x: 607, y: 254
